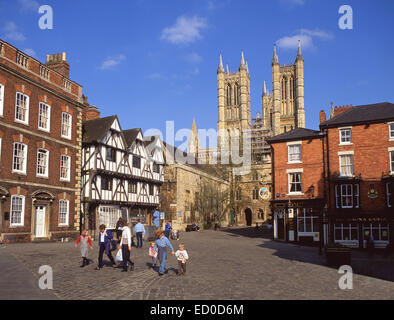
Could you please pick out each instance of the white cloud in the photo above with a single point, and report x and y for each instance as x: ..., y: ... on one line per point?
x: 11, y: 32
x: 306, y: 37
x: 30, y: 52
x: 192, y: 57
x: 28, y: 5
x: 155, y: 76
x: 185, y: 30
x: 292, y: 3
x: 111, y: 62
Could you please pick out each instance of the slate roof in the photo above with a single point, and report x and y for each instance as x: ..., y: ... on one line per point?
x: 372, y: 113
x: 96, y: 129
x: 130, y: 135
x: 296, y: 134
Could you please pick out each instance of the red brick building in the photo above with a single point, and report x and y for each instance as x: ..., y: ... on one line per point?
x: 342, y: 176
x: 40, y: 141
x: 360, y: 174
x: 298, y: 196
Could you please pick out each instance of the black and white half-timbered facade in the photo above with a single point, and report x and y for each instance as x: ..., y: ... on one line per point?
x: 120, y: 176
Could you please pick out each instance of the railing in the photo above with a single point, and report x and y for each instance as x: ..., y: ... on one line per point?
x: 66, y: 84
x: 21, y: 59
x: 44, y: 72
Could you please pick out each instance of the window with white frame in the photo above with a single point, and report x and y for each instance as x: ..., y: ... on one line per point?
x: 22, y: 108
x: 132, y: 187
x: 44, y: 116
x: 389, y: 193
x: 345, y: 136
x: 346, y: 231
x: 64, y: 210
x: 391, y: 130
x: 19, y: 157
x: 109, y: 215
x: 66, y: 125
x: 17, y: 210
x: 295, y: 182
x: 1, y: 99
x: 42, y: 162
x: 65, y: 164
x: 294, y: 152
x: 392, y: 161
x: 307, y: 220
x: 347, y: 196
x: 346, y: 165
x: 380, y: 231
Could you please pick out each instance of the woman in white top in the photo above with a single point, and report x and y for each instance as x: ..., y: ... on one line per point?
x: 125, y: 245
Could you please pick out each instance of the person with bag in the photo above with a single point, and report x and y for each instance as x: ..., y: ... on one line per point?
x: 161, y: 245
x: 125, y: 246
x: 105, y: 237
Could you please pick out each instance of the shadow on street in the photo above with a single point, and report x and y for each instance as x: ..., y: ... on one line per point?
x: 378, y: 265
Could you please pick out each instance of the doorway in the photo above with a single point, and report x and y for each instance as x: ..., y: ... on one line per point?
x: 248, y: 217
x: 40, y: 222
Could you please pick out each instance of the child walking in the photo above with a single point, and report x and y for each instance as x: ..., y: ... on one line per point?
x: 182, y: 256
x: 85, y: 241
x: 153, y: 254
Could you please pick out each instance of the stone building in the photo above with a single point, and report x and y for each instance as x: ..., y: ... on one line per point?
x: 40, y: 142
x: 193, y: 192
x: 282, y: 110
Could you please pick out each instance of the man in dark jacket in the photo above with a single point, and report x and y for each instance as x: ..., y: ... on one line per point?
x: 105, y: 237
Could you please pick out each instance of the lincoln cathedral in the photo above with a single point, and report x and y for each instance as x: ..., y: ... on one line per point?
x: 282, y: 110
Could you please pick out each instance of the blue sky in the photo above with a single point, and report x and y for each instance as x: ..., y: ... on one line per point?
x: 150, y: 61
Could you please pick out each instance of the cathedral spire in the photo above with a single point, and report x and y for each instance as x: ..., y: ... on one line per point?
x: 227, y: 71
x: 299, y: 54
x: 265, y: 93
x: 220, y: 68
x: 242, y: 65
x: 247, y: 67
x: 275, y: 59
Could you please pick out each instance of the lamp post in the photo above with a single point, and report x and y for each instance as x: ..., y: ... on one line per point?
x: 323, y: 220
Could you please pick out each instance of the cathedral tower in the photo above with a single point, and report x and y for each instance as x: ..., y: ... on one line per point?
x: 284, y: 109
x: 233, y: 100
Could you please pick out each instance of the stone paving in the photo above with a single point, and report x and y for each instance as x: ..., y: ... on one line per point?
x: 237, y: 263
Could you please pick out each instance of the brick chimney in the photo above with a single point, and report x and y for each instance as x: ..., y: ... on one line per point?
x: 322, y: 116
x: 341, y: 109
x: 91, y: 113
x: 58, y: 63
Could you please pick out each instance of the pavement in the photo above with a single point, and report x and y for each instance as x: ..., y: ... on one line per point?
x: 235, y: 263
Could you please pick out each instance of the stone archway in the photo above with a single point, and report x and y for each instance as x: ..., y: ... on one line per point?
x: 248, y: 216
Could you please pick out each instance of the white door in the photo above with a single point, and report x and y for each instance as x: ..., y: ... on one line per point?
x: 40, y: 221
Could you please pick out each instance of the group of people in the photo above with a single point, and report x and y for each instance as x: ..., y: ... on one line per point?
x: 157, y: 250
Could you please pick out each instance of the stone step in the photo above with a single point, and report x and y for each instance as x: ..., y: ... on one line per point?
x: 43, y: 240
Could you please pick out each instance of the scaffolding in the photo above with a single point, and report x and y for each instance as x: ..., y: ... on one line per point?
x: 261, y: 150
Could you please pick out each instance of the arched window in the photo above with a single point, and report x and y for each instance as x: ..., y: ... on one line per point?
x: 229, y: 95
x: 238, y: 194
x: 255, y: 193
x: 236, y: 94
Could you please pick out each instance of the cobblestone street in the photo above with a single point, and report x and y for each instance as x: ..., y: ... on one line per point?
x: 235, y: 263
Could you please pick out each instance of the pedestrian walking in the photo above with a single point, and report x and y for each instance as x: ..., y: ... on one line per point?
x: 153, y: 254
x: 105, y: 237
x: 161, y: 245
x: 182, y: 257
x: 139, y: 231
x: 125, y: 246
x: 85, y: 242
x: 168, y: 229
x: 118, y: 228
x: 156, y: 219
